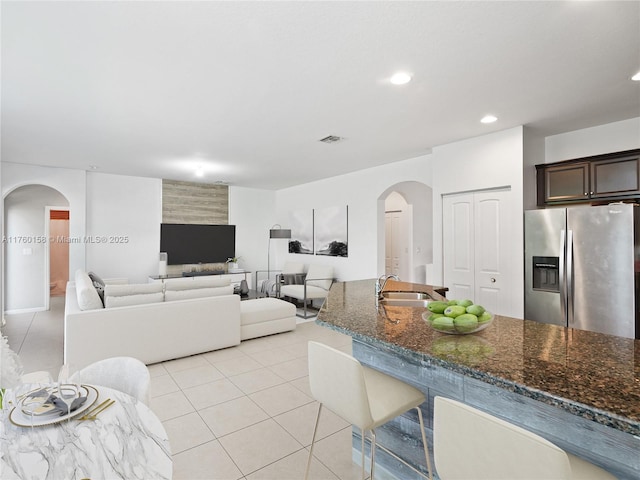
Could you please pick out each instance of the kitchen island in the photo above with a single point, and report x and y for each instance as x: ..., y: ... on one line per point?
x: 578, y: 389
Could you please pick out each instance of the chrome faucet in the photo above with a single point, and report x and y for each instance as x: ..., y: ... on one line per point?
x: 380, y: 284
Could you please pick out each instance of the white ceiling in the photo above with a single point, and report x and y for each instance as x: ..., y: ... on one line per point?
x: 246, y: 89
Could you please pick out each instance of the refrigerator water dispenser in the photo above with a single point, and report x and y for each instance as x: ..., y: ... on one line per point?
x: 546, y: 274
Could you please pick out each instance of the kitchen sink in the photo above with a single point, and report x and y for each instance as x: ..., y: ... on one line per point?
x: 406, y: 295
x: 405, y: 299
x: 404, y: 302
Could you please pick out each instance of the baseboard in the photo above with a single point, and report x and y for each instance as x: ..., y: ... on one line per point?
x: 25, y: 310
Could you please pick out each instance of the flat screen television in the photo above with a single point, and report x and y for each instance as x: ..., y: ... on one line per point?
x: 186, y: 243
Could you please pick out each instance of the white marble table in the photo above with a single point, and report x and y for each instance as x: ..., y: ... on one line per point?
x: 126, y: 441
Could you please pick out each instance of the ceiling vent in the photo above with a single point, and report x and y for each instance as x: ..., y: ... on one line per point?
x: 331, y: 139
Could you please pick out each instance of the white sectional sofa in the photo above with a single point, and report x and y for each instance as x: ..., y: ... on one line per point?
x: 158, y: 322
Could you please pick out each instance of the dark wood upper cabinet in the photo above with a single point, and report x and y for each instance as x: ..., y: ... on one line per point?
x: 565, y: 183
x: 613, y: 176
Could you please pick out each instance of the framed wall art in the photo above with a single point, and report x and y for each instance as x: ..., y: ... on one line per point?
x: 301, y: 222
x: 331, y: 231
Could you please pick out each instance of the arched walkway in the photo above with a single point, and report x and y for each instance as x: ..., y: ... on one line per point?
x: 26, y: 246
x: 418, y: 198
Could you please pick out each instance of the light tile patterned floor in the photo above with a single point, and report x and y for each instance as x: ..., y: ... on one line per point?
x: 244, y: 412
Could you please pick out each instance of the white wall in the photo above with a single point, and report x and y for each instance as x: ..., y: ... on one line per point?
x: 361, y: 192
x: 490, y: 161
x: 534, y: 154
x: 127, y: 212
x: 420, y: 196
x: 70, y: 183
x: 25, y: 251
x: 2, y: 319
x: 608, y: 138
x: 253, y: 212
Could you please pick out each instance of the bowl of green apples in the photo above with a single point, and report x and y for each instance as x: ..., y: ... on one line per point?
x: 457, y: 317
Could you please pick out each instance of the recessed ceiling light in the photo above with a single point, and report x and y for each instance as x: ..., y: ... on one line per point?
x: 489, y: 119
x: 400, y: 78
x: 636, y: 77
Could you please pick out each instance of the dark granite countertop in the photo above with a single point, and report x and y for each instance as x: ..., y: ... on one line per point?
x: 590, y: 374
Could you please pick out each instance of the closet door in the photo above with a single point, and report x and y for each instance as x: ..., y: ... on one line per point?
x: 475, y: 240
x: 458, y: 245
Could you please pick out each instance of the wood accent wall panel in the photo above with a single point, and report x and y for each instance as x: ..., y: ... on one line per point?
x: 194, y: 203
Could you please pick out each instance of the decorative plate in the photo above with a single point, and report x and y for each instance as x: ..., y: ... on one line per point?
x: 21, y: 419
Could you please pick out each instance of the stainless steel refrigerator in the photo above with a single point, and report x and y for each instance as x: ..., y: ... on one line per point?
x: 580, y: 268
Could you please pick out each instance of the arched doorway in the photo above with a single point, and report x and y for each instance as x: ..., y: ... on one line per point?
x: 398, y: 236
x: 405, y: 218
x: 27, y: 249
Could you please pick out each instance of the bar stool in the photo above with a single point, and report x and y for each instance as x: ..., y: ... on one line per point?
x: 469, y: 443
x: 360, y: 395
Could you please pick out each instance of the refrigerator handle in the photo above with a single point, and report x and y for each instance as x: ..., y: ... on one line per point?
x: 570, y: 277
x: 561, y: 271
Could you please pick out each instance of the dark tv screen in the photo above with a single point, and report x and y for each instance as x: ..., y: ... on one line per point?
x: 186, y: 243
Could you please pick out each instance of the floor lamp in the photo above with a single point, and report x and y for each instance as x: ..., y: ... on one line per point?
x: 275, y: 232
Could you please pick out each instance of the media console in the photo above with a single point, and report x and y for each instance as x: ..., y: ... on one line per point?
x: 235, y: 277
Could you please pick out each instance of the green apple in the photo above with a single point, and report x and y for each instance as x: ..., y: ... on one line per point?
x: 437, y: 306
x: 454, y: 310
x: 476, y: 310
x: 464, y: 303
x: 443, y: 323
x: 466, y: 322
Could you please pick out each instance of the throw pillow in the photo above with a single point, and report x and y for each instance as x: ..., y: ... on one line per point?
x: 88, y: 298
x: 98, y: 283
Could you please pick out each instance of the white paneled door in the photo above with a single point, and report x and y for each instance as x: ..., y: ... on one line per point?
x: 475, y: 239
x: 398, y: 243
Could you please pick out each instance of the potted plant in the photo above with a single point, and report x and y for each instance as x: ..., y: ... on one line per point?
x: 233, y: 262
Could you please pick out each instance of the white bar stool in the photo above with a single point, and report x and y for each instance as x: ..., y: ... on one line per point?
x: 360, y: 395
x: 469, y: 443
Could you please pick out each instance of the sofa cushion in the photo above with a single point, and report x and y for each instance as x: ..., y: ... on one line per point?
x: 133, y: 289
x: 264, y: 310
x: 128, y: 300
x: 171, y: 295
x: 297, y: 291
x: 324, y: 272
x: 196, y: 282
x: 88, y: 298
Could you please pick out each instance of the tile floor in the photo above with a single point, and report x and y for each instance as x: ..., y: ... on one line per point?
x: 244, y: 412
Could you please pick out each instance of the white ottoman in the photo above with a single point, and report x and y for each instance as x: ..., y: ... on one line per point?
x: 264, y: 316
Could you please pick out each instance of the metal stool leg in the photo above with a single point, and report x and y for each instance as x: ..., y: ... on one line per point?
x: 313, y: 441
x: 373, y: 452
x: 362, y: 434
x: 424, y: 444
